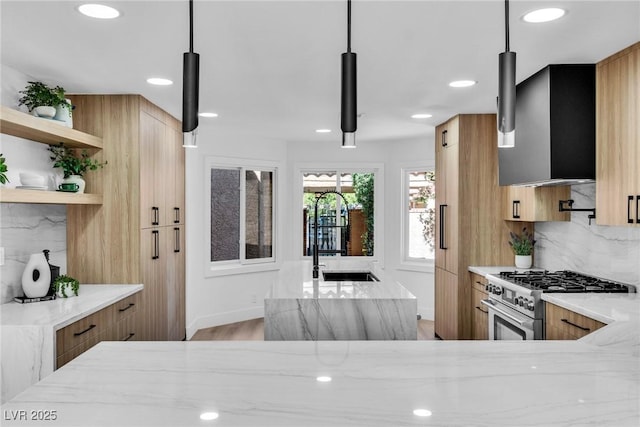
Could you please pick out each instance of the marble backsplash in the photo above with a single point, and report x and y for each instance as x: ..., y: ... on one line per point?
x: 26, y: 229
x: 603, y: 251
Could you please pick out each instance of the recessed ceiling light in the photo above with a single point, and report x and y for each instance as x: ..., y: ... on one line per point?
x: 421, y: 116
x: 544, y: 15
x: 323, y: 130
x: 462, y: 83
x: 159, y: 81
x: 422, y: 412
x: 205, y: 114
x: 323, y: 379
x: 99, y: 11
x: 208, y: 416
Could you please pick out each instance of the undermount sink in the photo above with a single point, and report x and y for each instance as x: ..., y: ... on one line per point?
x: 349, y: 276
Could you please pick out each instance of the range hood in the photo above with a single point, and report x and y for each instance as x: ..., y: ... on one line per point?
x: 555, y: 129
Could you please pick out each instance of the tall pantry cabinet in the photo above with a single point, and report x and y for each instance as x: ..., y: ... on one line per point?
x: 617, y: 138
x: 137, y: 234
x: 469, y: 225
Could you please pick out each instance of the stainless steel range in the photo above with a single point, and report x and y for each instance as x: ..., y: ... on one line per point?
x: 516, y: 309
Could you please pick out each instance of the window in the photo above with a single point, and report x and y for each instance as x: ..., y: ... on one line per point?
x: 345, y: 226
x: 241, y: 214
x: 419, y: 215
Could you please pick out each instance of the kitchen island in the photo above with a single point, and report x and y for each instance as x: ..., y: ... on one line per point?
x: 299, y: 307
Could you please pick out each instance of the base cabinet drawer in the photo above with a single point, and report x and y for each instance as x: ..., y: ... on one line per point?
x: 68, y: 356
x: 563, y: 324
x: 480, y: 314
x: 83, y: 330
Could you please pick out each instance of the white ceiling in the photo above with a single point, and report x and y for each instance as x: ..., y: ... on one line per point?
x: 272, y: 68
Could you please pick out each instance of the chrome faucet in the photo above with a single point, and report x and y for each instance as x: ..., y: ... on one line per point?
x: 316, y: 258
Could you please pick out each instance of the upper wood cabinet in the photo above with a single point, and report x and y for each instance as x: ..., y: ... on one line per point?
x: 618, y: 138
x: 533, y: 204
x: 17, y: 123
x: 469, y: 225
x: 137, y: 236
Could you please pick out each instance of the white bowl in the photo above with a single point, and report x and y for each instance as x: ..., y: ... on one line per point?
x: 31, y: 179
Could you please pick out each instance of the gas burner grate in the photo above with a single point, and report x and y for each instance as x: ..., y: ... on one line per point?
x: 563, y: 281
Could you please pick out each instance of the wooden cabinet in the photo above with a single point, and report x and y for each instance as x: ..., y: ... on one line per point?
x: 563, y: 324
x: 25, y: 126
x: 115, y: 322
x: 480, y: 313
x: 137, y: 236
x: 469, y: 225
x: 617, y: 136
x: 533, y: 204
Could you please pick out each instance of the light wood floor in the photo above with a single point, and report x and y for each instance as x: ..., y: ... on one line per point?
x: 253, y: 330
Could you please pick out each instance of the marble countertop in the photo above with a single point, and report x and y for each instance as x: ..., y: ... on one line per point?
x: 483, y: 270
x: 373, y: 383
x: 295, y: 280
x: 61, y: 312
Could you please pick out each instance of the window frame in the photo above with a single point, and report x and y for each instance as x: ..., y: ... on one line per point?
x: 407, y: 262
x: 241, y: 265
x: 339, y: 168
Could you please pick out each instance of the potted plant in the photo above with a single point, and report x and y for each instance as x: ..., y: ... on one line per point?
x: 3, y: 170
x: 42, y: 100
x: 73, y: 167
x: 66, y: 286
x: 522, y: 245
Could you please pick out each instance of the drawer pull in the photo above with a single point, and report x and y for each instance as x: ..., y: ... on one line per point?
x: 77, y: 334
x: 131, y: 335
x: 127, y: 307
x: 484, y: 311
x: 577, y: 326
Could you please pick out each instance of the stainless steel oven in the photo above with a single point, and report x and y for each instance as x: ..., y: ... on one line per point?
x: 508, y: 324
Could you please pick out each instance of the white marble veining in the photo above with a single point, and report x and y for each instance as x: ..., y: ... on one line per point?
x: 300, y: 308
x: 374, y: 383
x: 27, y: 229
x: 28, y: 332
x: 603, y: 251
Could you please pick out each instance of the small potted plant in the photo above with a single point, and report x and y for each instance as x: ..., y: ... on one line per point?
x: 73, y: 167
x: 522, y: 245
x: 3, y: 170
x: 66, y: 286
x: 42, y: 100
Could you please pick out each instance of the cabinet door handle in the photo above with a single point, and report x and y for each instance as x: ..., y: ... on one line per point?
x: 127, y: 307
x: 155, y: 212
x: 176, y: 219
x: 176, y: 247
x: 515, y: 209
x: 77, y: 334
x: 131, y: 335
x: 577, y: 326
x: 156, y: 244
x: 638, y: 209
x: 484, y: 311
x: 444, y: 138
x: 629, y: 203
x: 442, y: 243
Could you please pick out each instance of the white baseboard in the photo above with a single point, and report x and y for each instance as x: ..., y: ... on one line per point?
x: 223, y: 319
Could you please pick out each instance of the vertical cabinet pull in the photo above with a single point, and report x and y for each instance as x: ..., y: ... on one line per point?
x: 638, y: 209
x: 442, y: 243
x: 176, y: 247
x: 444, y: 138
x: 155, y: 215
x: 176, y: 219
x: 156, y: 244
x: 629, y: 203
x: 515, y: 209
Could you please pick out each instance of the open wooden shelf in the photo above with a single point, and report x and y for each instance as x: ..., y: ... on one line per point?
x: 23, y: 125
x: 16, y: 195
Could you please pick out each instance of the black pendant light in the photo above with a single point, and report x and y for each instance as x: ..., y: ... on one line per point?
x: 349, y: 95
x: 190, y: 89
x: 506, y: 90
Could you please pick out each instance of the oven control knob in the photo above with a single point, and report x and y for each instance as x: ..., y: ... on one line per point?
x: 530, y: 306
x: 497, y: 290
x: 517, y: 301
x: 522, y: 302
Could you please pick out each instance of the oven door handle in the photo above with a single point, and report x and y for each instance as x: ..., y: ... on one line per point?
x: 492, y: 306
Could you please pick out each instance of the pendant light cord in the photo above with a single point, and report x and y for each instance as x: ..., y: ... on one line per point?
x: 190, y: 26
x: 506, y: 24
x: 349, y: 26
